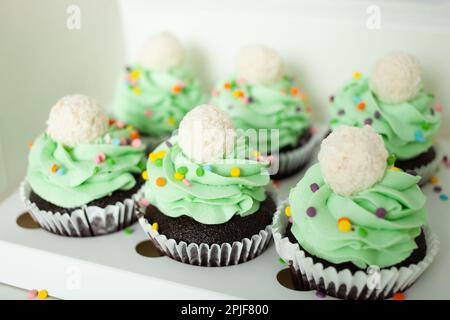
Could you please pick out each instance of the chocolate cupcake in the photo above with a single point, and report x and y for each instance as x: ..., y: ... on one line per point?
x: 208, y: 205
x: 84, y: 172
x: 262, y: 97
x: 355, y: 227
x: 157, y: 90
x: 392, y: 100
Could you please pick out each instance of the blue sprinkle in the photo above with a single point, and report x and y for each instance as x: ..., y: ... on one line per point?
x: 356, y: 99
x: 443, y: 197
x: 207, y: 167
x: 116, y: 142
x: 61, y: 171
x: 419, y: 136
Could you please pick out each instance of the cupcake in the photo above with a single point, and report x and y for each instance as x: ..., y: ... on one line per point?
x: 355, y: 227
x: 208, y: 206
x: 157, y: 90
x: 393, y: 101
x: 262, y: 97
x: 84, y: 172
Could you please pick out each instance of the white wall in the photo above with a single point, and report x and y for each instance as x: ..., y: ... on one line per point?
x: 322, y: 41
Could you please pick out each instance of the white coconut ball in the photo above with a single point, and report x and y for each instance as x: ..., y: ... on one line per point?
x: 206, y: 134
x: 352, y: 159
x: 161, y: 52
x: 76, y: 119
x: 396, y: 77
x: 259, y: 64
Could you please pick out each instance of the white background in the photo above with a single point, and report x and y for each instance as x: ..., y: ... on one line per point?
x: 322, y: 41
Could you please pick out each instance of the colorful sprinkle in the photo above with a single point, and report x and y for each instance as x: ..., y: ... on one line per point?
x: 134, y: 135
x: 391, y: 159
x: 42, y: 294
x: 183, y: 170
x: 135, y: 74
x: 437, y: 189
x: 227, y: 85
x: 171, y: 121
x: 303, y: 97
x: 438, y: 107
x: 294, y: 91
x: 377, y: 114
x: 116, y: 141
x: 136, y: 143
x: 128, y: 231
x: 160, y: 182
x: 281, y: 261
x: 395, y: 169
x: 187, y: 182
x: 314, y: 187
x: 215, y: 93
x: 368, y: 121
x: 362, y: 232
x: 399, y: 296
x: 235, y: 172
x: 110, y: 161
x: 361, y: 106
x: 434, y: 180
x: 100, y: 158
x: 158, y: 162
x: 155, y: 226
x: 177, y: 88
x: 168, y: 144
x: 145, y: 175
x: 287, y: 211
x: 137, y: 90
x: 419, y: 136
x: 381, y: 213
x: 425, y: 126
x: 178, y: 175
x: 61, y: 171
x: 33, y: 293
x: 357, y: 75
x: 144, y: 202
x: 344, y: 225
x: 238, y: 93
x: 54, y: 168
x: 356, y: 99
x: 123, y: 141
x: 443, y: 197
x: 30, y: 145
x: 148, y: 113
x: 256, y: 154
x: 311, y: 212
x: 207, y: 167
x: 200, y: 171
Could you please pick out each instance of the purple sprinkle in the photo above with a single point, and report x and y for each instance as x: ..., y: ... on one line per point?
x: 437, y: 189
x: 314, y: 187
x: 377, y: 115
x: 311, y: 212
x: 411, y: 172
x: 168, y: 144
x: 250, y: 99
x: 445, y: 159
x: 331, y: 98
x: 298, y: 109
x: 320, y: 294
x: 368, y: 121
x: 380, y: 213
x: 432, y: 111
x: 341, y: 112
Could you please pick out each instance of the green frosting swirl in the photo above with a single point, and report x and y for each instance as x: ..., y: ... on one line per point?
x: 156, y: 101
x: 407, y: 128
x: 213, y: 196
x: 78, y: 179
x: 274, y: 106
x: 372, y: 241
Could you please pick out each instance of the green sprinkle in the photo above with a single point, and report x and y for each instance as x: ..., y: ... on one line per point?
x: 334, y: 121
x: 200, y: 171
x: 142, y: 165
x: 128, y: 231
x: 391, y: 159
x: 281, y: 261
x: 425, y: 126
x: 110, y: 161
x: 182, y: 170
x: 96, y: 170
x: 158, y: 162
x: 362, y: 232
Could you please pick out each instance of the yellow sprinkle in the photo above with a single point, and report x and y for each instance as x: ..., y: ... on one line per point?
x: 395, y: 169
x: 145, y: 175
x: 178, y: 176
x: 357, y: 75
x: 155, y: 226
x: 137, y: 90
x: 171, y: 121
x: 42, y: 294
x: 135, y: 74
x: 235, y: 172
x: 344, y: 225
x: 434, y: 180
x: 152, y: 156
x: 130, y: 127
x: 160, y: 154
x: 238, y: 93
x: 256, y: 153
x: 287, y: 211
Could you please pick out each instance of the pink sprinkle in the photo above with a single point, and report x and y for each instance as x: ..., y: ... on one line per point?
x: 314, y: 130
x: 270, y: 158
x: 187, y: 182
x: 438, y: 107
x: 100, y: 158
x: 447, y: 164
x: 215, y: 93
x: 240, y: 81
x: 144, y: 202
x: 291, y: 221
x: 247, y: 100
x: 123, y: 141
x: 148, y: 113
x: 120, y: 124
x: 136, y: 143
x: 33, y: 293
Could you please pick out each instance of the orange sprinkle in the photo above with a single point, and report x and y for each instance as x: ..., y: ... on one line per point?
x: 361, y: 105
x: 111, y: 121
x: 344, y: 225
x: 399, y: 296
x: 134, y: 135
x: 54, y: 168
x: 227, y: 85
x: 294, y: 91
x: 302, y: 96
x: 30, y: 145
x: 160, y: 182
x: 238, y: 93
x: 176, y: 88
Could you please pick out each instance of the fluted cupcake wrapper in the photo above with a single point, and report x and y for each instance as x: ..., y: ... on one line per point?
x: 87, y: 221
x: 291, y: 162
x: 428, y: 170
x: 310, y: 275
